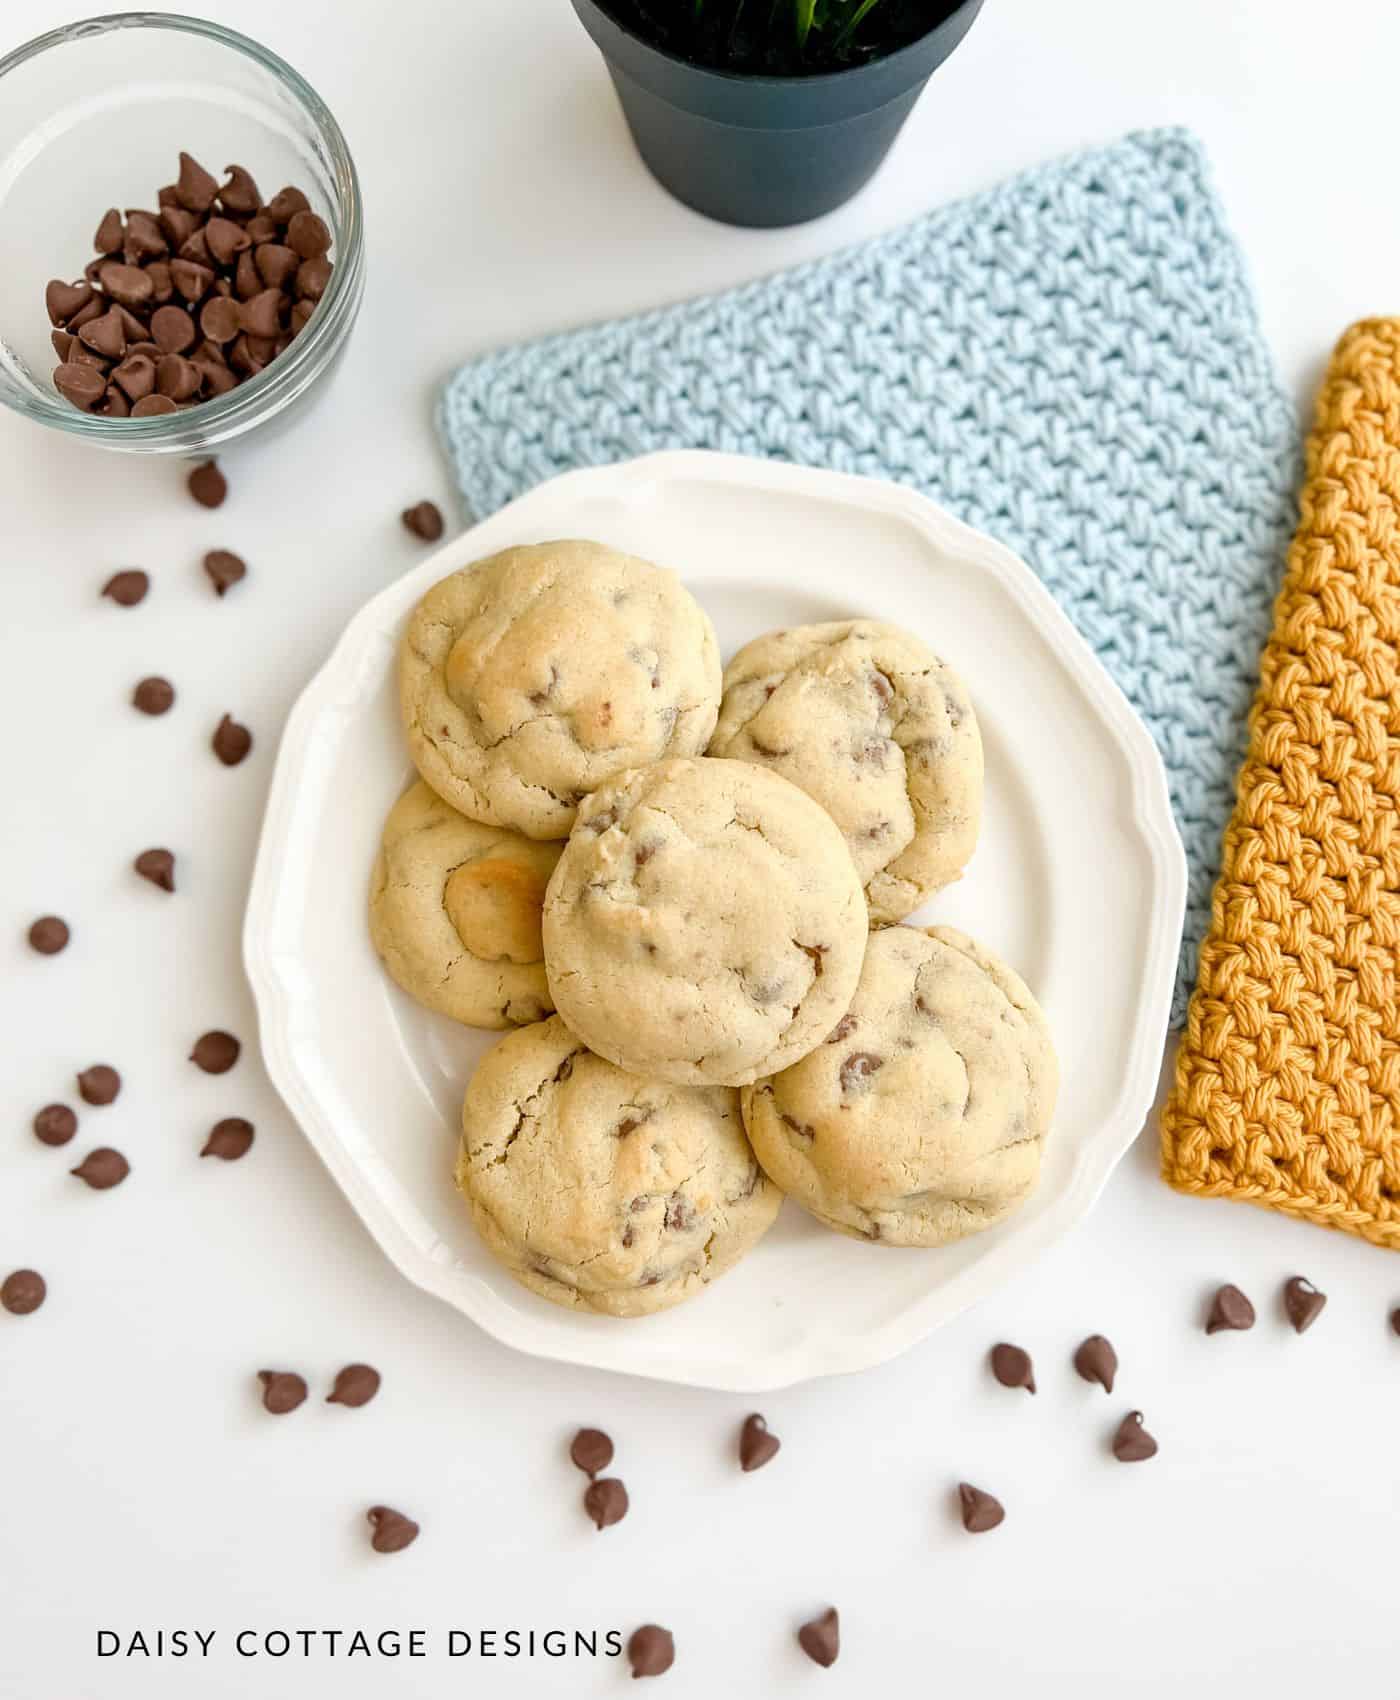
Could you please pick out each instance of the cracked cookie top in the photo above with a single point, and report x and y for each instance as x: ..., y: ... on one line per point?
x: 456, y: 910
x: 600, y: 1190
x: 868, y: 721
x: 705, y: 923
x: 528, y: 679
x: 921, y: 1118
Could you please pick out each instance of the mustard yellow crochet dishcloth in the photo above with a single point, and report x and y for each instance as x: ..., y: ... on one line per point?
x: 1287, y: 1086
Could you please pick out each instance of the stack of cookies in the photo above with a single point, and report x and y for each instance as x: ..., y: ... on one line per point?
x: 683, y: 891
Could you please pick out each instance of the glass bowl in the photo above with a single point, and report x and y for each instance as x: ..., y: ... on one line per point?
x: 93, y: 116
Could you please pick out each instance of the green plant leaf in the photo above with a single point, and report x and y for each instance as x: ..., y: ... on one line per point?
x: 853, y: 24
x: 803, y: 12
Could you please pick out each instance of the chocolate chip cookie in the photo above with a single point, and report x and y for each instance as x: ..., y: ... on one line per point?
x: 600, y: 1190
x: 921, y: 1118
x: 455, y: 911
x: 705, y: 923
x: 529, y: 679
x: 870, y: 723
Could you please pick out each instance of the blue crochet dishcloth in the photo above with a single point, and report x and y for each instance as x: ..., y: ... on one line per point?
x: 1072, y: 362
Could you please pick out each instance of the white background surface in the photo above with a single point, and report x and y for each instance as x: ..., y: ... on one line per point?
x: 143, y: 1487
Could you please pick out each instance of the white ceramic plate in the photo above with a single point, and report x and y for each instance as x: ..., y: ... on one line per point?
x: 1079, y: 881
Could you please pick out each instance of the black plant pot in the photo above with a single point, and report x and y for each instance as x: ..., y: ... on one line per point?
x: 766, y: 150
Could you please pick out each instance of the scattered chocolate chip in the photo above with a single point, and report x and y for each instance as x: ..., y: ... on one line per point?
x: 206, y: 483
x: 820, y: 1639
x: 127, y: 588
x: 49, y: 935
x: 1096, y: 1360
x: 392, y: 1530
x: 980, y: 1511
x: 172, y: 330
x: 176, y: 377
x: 65, y: 300
x: 144, y: 239
x: 108, y: 239
x: 1395, y: 1321
x: 757, y: 1446
x: 105, y: 335
x: 285, y: 205
x: 215, y: 1052
x: 136, y: 376
x: 275, y: 264
x: 1132, y: 1443
x: 102, y: 1169
x: 229, y: 1139
x: 605, y: 1501
x: 311, y: 280
x: 55, y: 1124
x: 224, y: 569
x: 231, y: 741
x: 591, y: 1450
x: 127, y: 285
x: 87, y: 313
x: 262, y: 315
x: 1229, y: 1309
x: 226, y: 240
x: 219, y: 320
x: 157, y: 866
x: 153, y: 696
x: 1012, y: 1367
x: 1302, y: 1303
x: 195, y: 189
x: 651, y: 1650
x: 240, y: 194
x: 283, y: 1390
x: 424, y: 520
x: 151, y: 406
x: 23, y: 1291
x: 99, y: 1084
x: 356, y: 1385
x: 308, y: 235
x: 79, y: 383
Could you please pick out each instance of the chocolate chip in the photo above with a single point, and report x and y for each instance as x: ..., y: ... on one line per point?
x: 195, y: 189
x: 62, y: 343
x: 144, y: 238
x: 218, y: 319
x: 307, y: 235
x: 224, y: 569
x: 980, y: 1511
x: 137, y: 376
x: 162, y: 283
x: 820, y: 1639
x: 153, y: 695
x: 206, y: 483
x: 392, y: 1530
x: 218, y: 379
x: 246, y: 280
x: 355, y: 1385
x: 1096, y: 1360
x: 283, y: 1390
x: 1229, y: 1309
x: 651, y: 1650
x: 173, y: 330
x: 301, y: 313
x: 1132, y: 1444
x: 151, y: 406
x: 49, y: 935
x: 108, y: 239
x: 226, y: 240
x: 99, y: 1084
x: 229, y: 1139
x: 125, y: 284
x: 63, y: 300
x: 842, y: 1030
x: 424, y: 520
x: 23, y: 1292
x: 191, y: 279
x: 157, y: 866
x: 55, y: 1124
x: 858, y: 1068
x: 240, y: 194
x: 102, y: 1169
x: 262, y: 315
x: 1302, y: 1303
x: 757, y: 1446
x: 87, y: 313
x: 250, y: 354
x: 215, y: 1052
x: 1395, y: 1321
x: 195, y: 248
x: 231, y: 741
x: 275, y: 263
x: 104, y: 335
x: 605, y: 1501
x: 285, y: 205
x: 312, y: 278
x: 176, y: 377
x: 179, y: 225
x: 1012, y: 1367
x: 79, y: 383
x: 591, y: 1450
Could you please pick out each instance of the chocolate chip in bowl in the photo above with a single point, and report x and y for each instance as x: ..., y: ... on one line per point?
x: 120, y: 296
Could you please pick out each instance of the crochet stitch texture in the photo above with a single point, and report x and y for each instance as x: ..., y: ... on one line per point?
x: 1288, y: 1080
x: 1071, y: 362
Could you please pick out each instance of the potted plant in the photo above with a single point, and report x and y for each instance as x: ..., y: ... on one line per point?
x: 770, y: 112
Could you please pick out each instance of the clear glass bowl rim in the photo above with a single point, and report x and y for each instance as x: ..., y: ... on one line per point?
x: 230, y: 415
